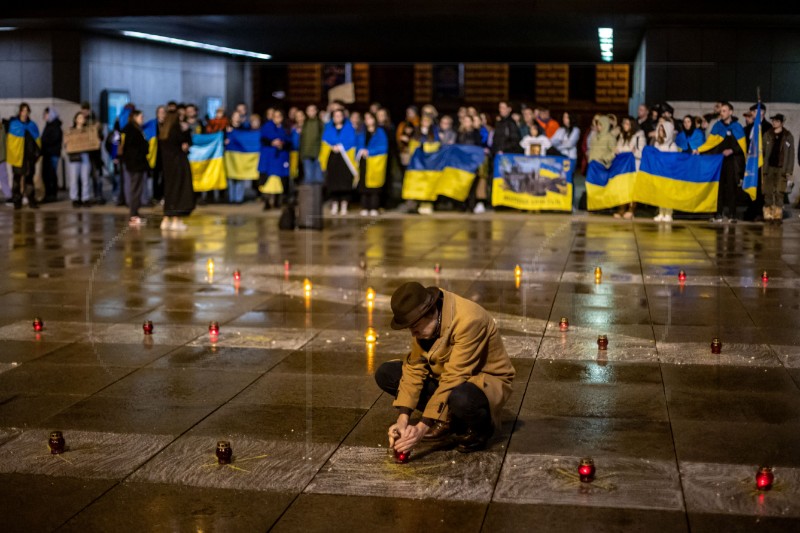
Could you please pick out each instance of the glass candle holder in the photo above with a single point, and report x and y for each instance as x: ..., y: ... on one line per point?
x: 586, y: 470
x: 764, y: 478
x: 402, y: 458
x: 237, y: 276
x: 213, y: 329
x: 682, y: 276
x: 147, y: 327
x: 38, y: 324
x: 56, y: 442
x: 224, y: 452
x: 437, y: 268
x: 563, y: 324
x: 602, y: 342
x: 764, y: 277
x: 716, y: 346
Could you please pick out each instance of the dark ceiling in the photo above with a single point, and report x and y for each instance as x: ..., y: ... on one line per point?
x: 407, y: 31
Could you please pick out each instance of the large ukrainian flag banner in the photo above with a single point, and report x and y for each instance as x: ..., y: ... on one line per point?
x: 242, y: 153
x: 533, y: 183
x: 345, y: 139
x: 378, y: 154
x: 678, y: 180
x: 15, y: 140
x: 755, y: 157
x: 150, y: 130
x: 613, y: 186
x: 205, y: 158
x: 447, y: 172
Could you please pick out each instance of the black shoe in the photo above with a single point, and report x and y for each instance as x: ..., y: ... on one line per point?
x: 76, y: 203
x: 17, y: 205
x: 473, y: 440
x: 439, y: 431
x: 33, y: 205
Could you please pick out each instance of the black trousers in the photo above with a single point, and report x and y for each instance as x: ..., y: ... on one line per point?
x: 469, y: 407
x: 732, y: 171
x: 137, y: 183
x: 23, y: 185
x: 371, y: 199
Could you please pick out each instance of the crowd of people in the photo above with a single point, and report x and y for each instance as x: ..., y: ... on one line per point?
x: 304, y: 146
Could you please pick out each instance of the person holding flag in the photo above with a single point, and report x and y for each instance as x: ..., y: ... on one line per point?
x: 23, y: 149
x: 726, y: 138
x: 337, y: 159
x: 373, y: 150
x: 778, y: 154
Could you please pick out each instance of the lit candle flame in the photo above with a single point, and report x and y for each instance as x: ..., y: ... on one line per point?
x: 371, y: 335
x: 307, y: 286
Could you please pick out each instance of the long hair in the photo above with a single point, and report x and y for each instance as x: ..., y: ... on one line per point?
x: 627, y: 136
x: 170, y: 122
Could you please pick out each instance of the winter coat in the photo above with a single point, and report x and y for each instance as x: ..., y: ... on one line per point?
x: 310, y: 139
x: 469, y: 349
x: 786, y: 158
x: 635, y: 145
x: 668, y: 145
x: 603, y: 144
x: 506, y: 137
x: 52, y: 138
x: 135, y: 149
x: 567, y: 143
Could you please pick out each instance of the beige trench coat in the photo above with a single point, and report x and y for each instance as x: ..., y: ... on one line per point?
x: 469, y: 348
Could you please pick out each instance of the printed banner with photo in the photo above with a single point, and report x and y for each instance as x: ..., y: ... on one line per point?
x: 533, y: 183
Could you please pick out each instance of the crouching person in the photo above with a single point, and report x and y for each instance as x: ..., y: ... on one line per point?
x: 458, y: 373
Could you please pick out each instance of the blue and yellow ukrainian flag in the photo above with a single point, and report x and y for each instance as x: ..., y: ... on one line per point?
x: 294, y: 155
x: 447, y: 172
x: 755, y: 157
x: 613, y: 186
x: 206, y: 160
x: 378, y: 148
x: 346, y: 138
x: 150, y: 130
x: 678, y: 180
x: 242, y: 152
x: 428, y: 146
x: 718, y: 133
x: 15, y: 140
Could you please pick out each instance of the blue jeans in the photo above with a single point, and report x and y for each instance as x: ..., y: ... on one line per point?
x: 236, y: 189
x: 80, y: 170
x: 312, y: 172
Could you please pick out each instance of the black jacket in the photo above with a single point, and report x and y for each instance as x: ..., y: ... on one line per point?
x: 52, y: 138
x: 506, y: 137
x: 134, y: 148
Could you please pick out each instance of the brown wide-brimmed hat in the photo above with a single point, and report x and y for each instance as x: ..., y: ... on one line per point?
x: 410, y: 302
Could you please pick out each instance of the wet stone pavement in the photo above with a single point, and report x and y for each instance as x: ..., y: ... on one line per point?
x: 676, y: 433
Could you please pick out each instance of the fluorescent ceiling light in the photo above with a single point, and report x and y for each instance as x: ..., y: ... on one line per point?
x: 606, y: 36
x: 195, y: 44
x: 7, y: 28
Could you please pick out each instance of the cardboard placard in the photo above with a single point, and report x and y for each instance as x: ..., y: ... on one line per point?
x: 346, y: 93
x: 81, y: 141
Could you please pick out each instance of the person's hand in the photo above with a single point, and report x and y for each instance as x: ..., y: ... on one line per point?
x: 499, y: 152
x: 363, y: 153
x: 726, y: 152
x: 335, y: 149
x: 185, y: 147
x: 411, y: 437
x: 397, y: 429
x: 695, y: 151
x: 277, y: 143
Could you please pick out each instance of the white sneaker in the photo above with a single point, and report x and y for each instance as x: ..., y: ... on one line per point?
x: 479, y: 208
x: 425, y: 208
x: 659, y: 218
x: 364, y: 212
x: 136, y: 222
x: 667, y: 218
x: 373, y: 212
x: 178, y: 225
x: 335, y: 208
x: 343, y: 208
x: 165, y: 223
